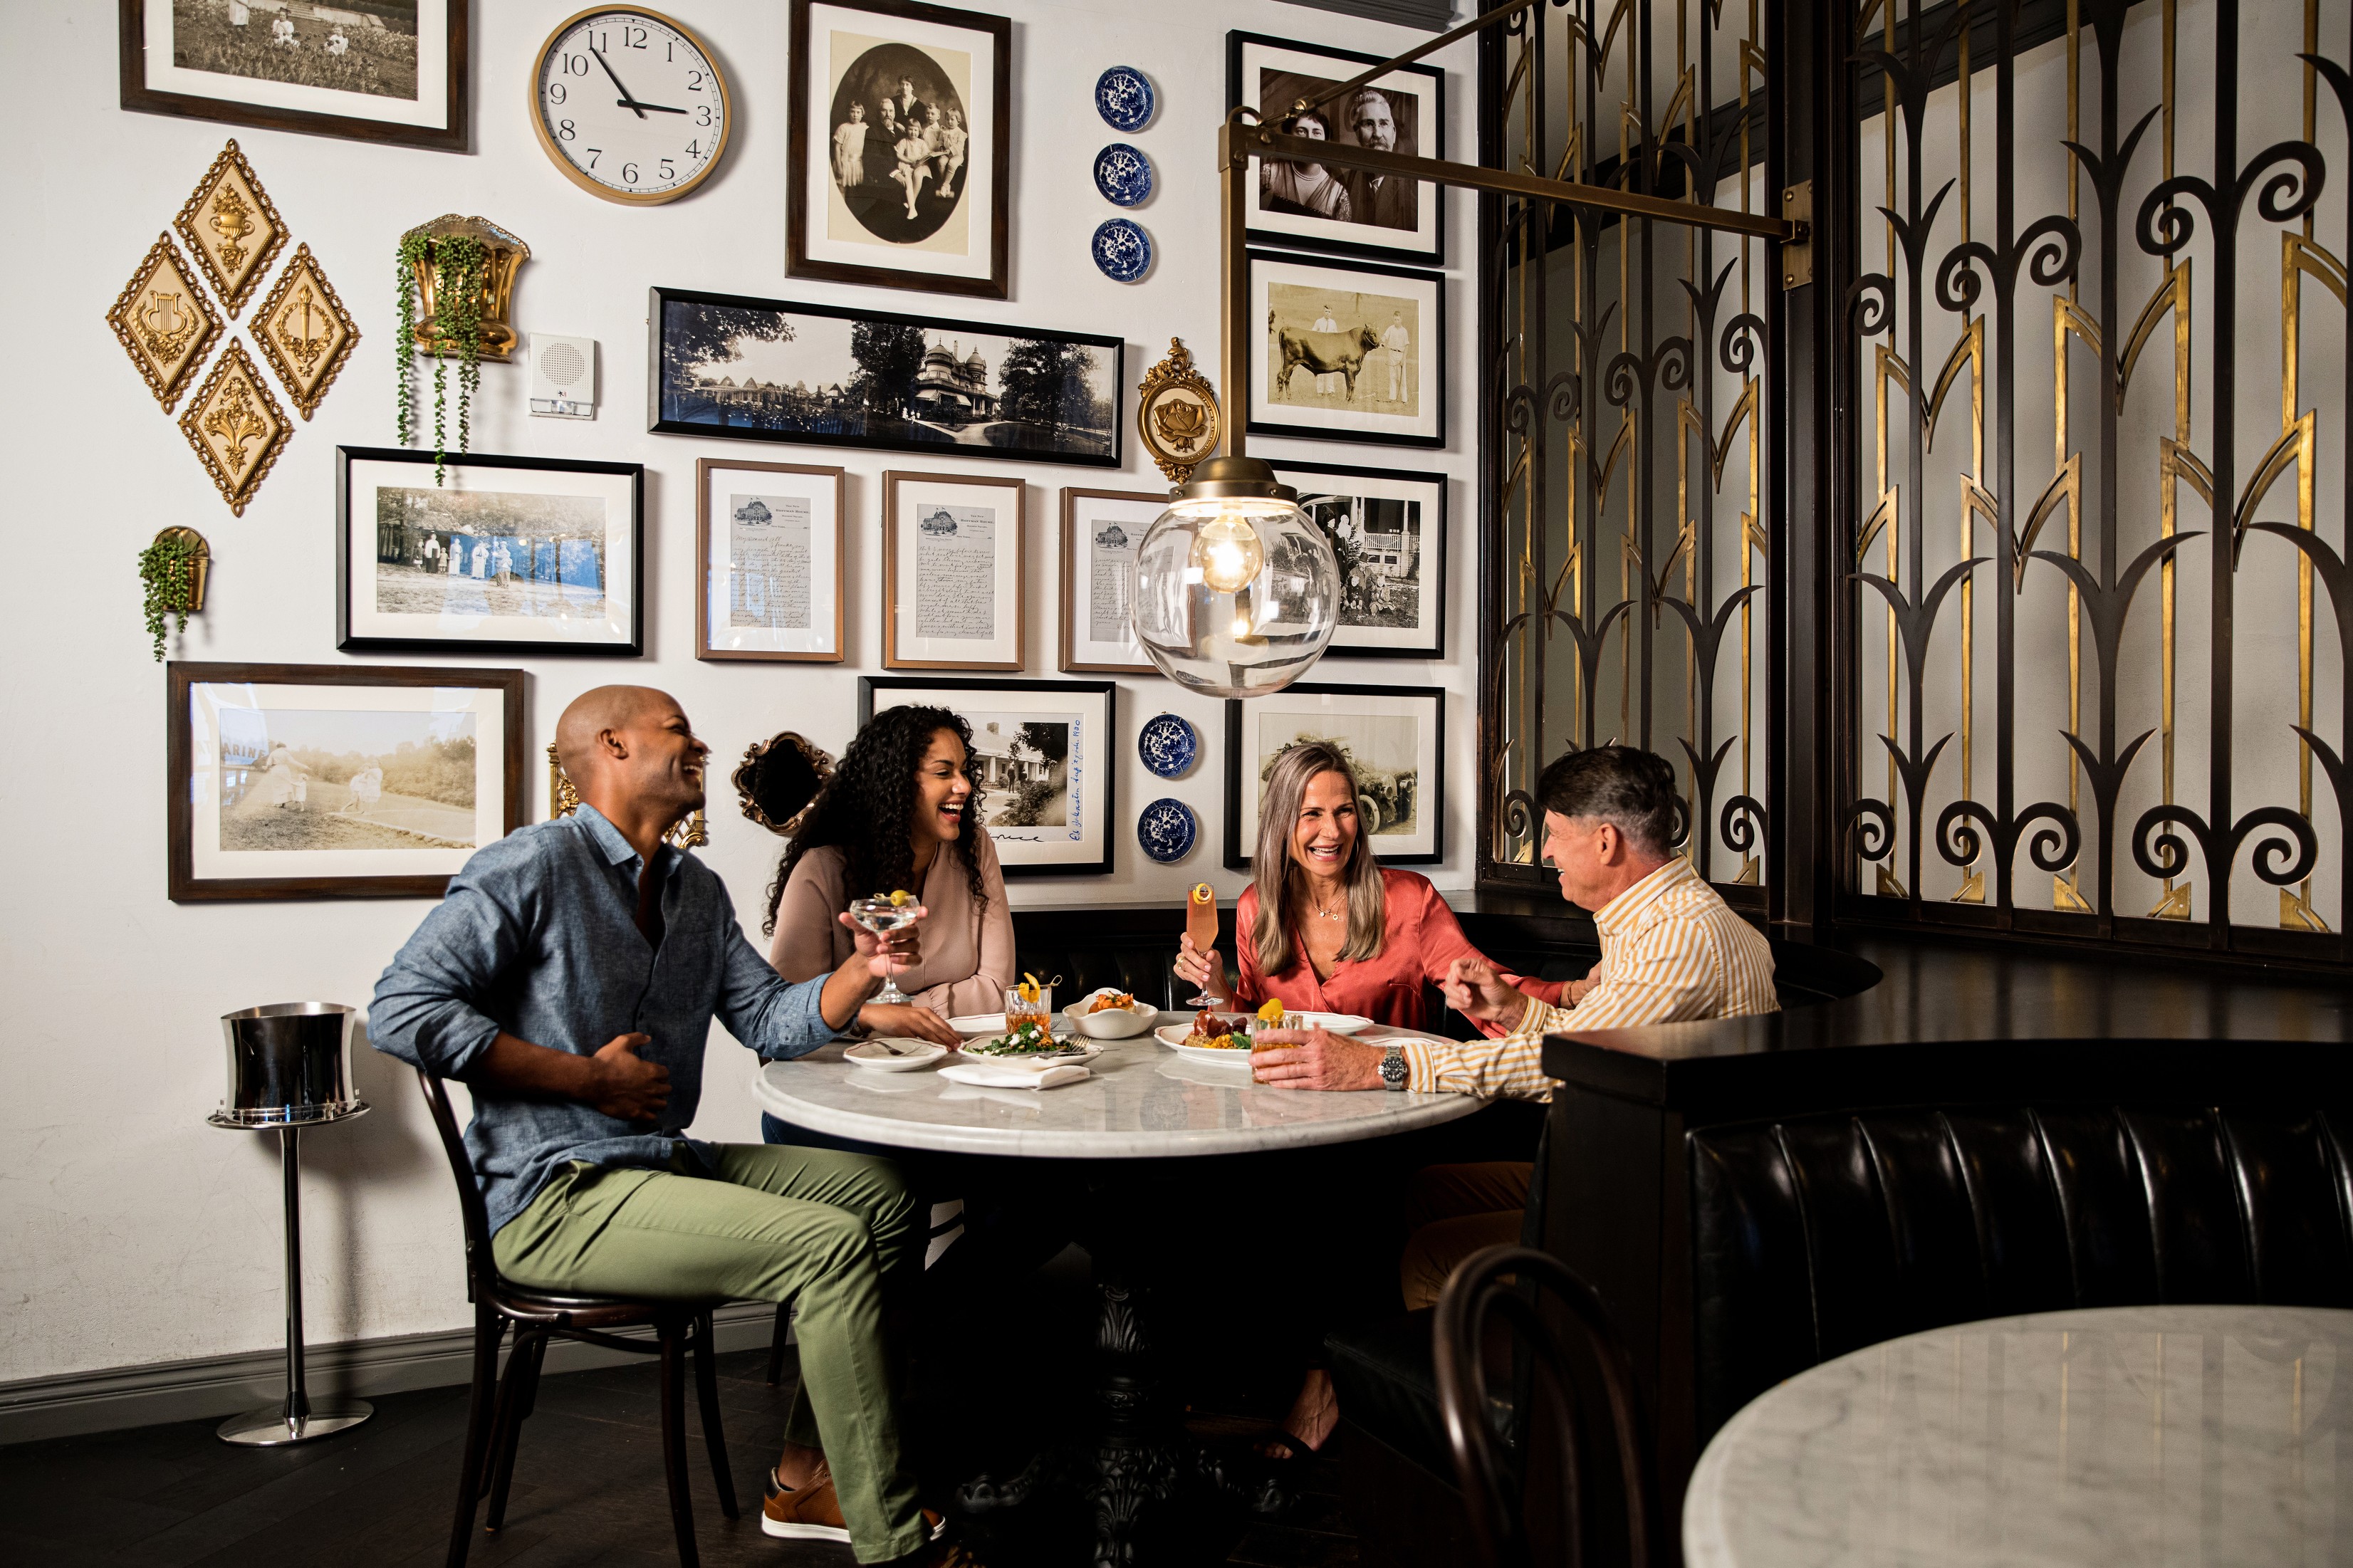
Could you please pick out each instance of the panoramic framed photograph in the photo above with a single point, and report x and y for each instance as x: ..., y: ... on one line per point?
x: 372, y: 71
x: 1394, y: 737
x: 1352, y: 353
x: 1101, y: 532
x: 326, y: 781
x: 901, y: 126
x: 769, y: 370
x: 768, y: 538
x: 1387, y: 527
x: 510, y: 554
x: 1308, y: 207
x: 952, y: 555
x: 1044, y: 761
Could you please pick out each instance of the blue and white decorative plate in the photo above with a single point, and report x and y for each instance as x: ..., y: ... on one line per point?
x: 1168, y: 745
x: 1122, y: 250
x: 1166, y: 830
x: 1123, y: 175
x: 1124, y: 99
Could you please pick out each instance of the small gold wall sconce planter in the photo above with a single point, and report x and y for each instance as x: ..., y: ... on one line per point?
x: 1178, y: 414
x: 304, y: 331
x: 507, y: 255
x: 231, y: 226
x: 165, y: 321
x: 563, y: 800
x: 236, y: 427
x: 174, y: 568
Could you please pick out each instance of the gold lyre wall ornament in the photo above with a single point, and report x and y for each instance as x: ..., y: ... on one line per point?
x: 231, y: 226
x: 1178, y: 414
x: 304, y: 331
x: 165, y: 321
x: 563, y: 799
x: 236, y: 427
x: 507, y: 256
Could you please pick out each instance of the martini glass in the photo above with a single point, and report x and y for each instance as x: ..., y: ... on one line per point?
x: 882, y: 916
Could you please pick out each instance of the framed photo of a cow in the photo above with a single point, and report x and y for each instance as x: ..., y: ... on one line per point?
x: 1351, y: 351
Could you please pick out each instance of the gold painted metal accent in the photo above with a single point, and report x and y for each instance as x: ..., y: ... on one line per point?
x: 507, y: 256
x: 165, y: 321
x: 2297, y: 912
x: 1798, y: 255
x: 1972, y: 887
x: 563, y: 800
x: 1887, y: 884
x: 2066, y: 897
x: 199, y: 563
x: 231, y: 227
x: 2175, y: 903
x: 234, y: 424
x: 1177, y: 414
x: 2301, y: 257
x: 304, y: 331
x: 1751, y: 868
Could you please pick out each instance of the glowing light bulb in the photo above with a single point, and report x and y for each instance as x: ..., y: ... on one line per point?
x: 1228, y: 552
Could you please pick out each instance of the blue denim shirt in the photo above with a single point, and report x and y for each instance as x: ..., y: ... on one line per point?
x: 537, y: 936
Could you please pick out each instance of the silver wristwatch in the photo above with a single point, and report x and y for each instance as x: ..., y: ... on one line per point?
x: 1393, y: 1068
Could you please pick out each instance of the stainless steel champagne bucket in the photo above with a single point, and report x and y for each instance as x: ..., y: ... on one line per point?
x: 290, y: 1064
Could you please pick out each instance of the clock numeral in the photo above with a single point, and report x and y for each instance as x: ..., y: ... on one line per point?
x: 576, y: 65
x: 555, y: 93
x: 633, y: 38
x: 593, y: 153
x: 670, y: 52
x: 668, y: 172
x: 702, y: 114
x: 694, y: 81
x: 629, y: 174
x: 564, y: 130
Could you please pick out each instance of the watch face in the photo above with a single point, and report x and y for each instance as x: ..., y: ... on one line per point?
x: 630, y: 106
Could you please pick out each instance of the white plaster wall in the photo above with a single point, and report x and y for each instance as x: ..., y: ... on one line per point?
x: 131, y: 1232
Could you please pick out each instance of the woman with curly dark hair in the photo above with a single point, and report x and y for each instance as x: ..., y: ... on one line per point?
x: 900, y: 813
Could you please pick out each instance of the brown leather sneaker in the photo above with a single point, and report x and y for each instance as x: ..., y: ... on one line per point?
x: 814, y: 1512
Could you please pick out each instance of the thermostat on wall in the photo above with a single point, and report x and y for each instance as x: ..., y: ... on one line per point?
x: 563, y: 376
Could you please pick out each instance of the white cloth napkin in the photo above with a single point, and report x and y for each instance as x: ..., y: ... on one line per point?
x: 1013, y: 1075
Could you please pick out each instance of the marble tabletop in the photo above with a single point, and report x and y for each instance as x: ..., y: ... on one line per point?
x: 2204, y: 1435
x: 1143, y: 1102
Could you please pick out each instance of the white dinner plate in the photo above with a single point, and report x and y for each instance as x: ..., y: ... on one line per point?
x: 972, y: 1024
x: 877, y: 1055
x: 1172, y: 1036
x: 1071, y: 1051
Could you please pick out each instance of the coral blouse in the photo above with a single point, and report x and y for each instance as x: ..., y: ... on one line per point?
x: 1419, y: 938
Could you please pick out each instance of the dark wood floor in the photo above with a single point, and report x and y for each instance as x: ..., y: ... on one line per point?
x: 587, y: 1492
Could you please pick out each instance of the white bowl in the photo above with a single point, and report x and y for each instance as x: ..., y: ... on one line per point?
x: 879, y: 1055
x: 1112, y: 1024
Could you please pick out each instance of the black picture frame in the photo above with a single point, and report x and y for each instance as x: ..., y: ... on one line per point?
x: 798, y: 262
x: 1329, y: 239
x: 351, y: 637
x: 1009, y: 855
x: 449, y: 136
x: 1433, y: 549
x: 812, y: 424
x: 1239, y: 855
x: 1429, y: 357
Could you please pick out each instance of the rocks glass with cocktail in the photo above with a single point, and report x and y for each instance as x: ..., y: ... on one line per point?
x: 883, y: 916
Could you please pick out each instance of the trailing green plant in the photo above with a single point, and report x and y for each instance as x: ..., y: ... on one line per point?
x: 168, y: 568
x: 461, y: 269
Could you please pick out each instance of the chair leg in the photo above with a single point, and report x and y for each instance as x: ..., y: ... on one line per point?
x: 706, y: 1390
x: 515, y: 1401
x: 488, y: 1331
x: 776, y: 1344
x: 673, y: 1425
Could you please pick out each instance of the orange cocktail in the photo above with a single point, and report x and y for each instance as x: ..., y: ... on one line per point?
x: 1201, y: 925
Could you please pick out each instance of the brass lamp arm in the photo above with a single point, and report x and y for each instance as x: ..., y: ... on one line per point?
x: 1330, y: 95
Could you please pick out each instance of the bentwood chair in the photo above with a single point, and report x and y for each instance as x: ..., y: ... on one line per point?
x: 1498, y: 1470
x: 495, y: 1415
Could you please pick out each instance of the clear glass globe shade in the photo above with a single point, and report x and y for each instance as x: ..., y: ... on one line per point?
x: 1235, y: 596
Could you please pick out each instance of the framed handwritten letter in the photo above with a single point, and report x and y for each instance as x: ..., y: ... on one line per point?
x: 769, y: 538
x: 951, y: 552
x: 1100, y: 531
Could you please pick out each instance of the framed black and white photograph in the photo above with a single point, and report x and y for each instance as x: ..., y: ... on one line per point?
x: 370, y: 70
x: 1311, y: 207
x: 1393, y: 736
x: 305, y: 781
x: 1044, y: 763
x: 952, y: 547
x: 901, y: 117
x: 769, y: 543
x: 743, y: 369
x: 1101, y: 532
x: 1352, y: 351
x: 505, y: 555
x: 1387, y: 527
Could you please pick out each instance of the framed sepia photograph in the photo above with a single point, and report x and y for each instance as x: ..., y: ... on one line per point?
x: 1044, y: 764
x: 769, y: 370
x: 1387, y: 527
x: 312, y: 781
x: 1393, y: 736
x: 510, y: 554
x: 370, y: 70
x: 902, y: 116
x: 1351, y: 353
x: 1101, y: 532
x: 951, y: 555
x: 1308, y: 207
x: 769, y: 540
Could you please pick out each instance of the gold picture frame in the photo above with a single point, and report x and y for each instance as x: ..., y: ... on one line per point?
x: 232, y: 226
x: 687, y: 833
x: 167, y: 334
x: 1177, y: 415
x: 940, y: 555
x: 304, y: 331
x: 1085, y: 557
x: 233, y: 409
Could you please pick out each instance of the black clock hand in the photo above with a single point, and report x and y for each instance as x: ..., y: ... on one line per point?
x: 627, y: 101
x: 655, y: 108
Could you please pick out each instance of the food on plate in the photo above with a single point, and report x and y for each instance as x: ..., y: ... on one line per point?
x: 1271, y: 1012
x: 1108, y: 1001
x: 1216, y: 1032
x: 1024, y: 1039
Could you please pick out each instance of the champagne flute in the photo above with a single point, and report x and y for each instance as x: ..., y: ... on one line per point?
x: 882, y: 916
x: 1201, y: 925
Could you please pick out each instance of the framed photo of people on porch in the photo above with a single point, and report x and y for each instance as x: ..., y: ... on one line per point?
x: 1387, y: 527
x: 1349, y: 351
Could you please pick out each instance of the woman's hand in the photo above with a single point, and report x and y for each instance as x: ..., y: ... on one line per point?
x: 907, y: 1022
x: 895, y: 952
x: 1475, y: 990
x: 1203, y: 970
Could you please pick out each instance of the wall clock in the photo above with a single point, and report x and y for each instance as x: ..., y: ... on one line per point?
x: 631, y: 105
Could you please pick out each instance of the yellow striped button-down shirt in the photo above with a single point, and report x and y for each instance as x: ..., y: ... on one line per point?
x: 1671, y: 950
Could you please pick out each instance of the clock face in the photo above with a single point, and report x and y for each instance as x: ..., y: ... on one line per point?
x: 629, y: 105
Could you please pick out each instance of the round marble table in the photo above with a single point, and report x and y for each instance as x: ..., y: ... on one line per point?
x: 2178, y: 1435
x: 1145, y: 1102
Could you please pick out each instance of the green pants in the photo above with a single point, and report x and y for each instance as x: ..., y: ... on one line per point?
x: 781, y: 1223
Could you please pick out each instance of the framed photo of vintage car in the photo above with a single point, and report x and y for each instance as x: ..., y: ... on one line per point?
x: 1101, y: 532
x: 1393, y: 736
x: 953, y: 549
x: 306, y: 781
x: 769, y: 541
x: 1351, y: 351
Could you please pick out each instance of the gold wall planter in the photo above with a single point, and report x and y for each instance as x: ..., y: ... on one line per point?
x: 507, y: 256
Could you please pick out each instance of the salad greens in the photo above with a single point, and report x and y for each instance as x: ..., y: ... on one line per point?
x: 1028, y: 1040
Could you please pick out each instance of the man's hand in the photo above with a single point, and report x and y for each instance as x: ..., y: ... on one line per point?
x: 1314, y: 1058
x: 1473, y: 989
x: 624, y: 1085
x: 909, y: 1022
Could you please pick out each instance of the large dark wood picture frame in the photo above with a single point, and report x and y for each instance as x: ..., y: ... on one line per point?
x: 184, y: 885
x: 449, y: 136
x: 1428, y: 804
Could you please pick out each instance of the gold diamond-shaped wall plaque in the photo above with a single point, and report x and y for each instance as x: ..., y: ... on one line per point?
x: 166, y: 324
x: 303, y: 329
x: 231, y: 226
x: 236, y: 427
